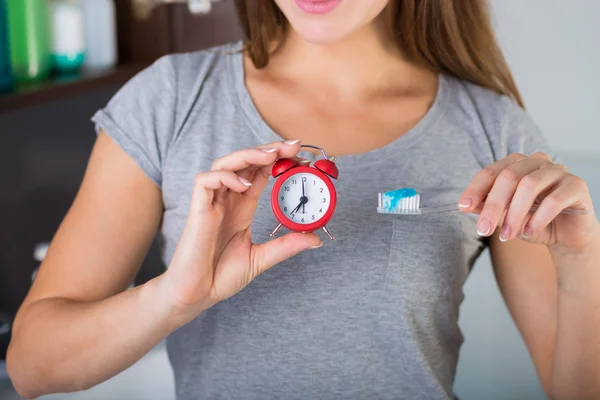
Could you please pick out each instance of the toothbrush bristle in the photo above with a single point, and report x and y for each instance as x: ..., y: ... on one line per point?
x: 409, y: 205
x: 387, y: 204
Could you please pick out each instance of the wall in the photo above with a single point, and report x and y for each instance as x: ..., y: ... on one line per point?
x: 552, y: 47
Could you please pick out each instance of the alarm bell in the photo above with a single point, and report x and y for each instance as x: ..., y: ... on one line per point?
x: 326, y: 165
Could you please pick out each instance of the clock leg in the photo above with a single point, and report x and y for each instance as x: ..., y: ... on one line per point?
x: 276, y: 230
x: 328, y: 233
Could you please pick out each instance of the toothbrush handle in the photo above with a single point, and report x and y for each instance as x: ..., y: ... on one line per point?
x: 439, y: 209
x: 454, y: 207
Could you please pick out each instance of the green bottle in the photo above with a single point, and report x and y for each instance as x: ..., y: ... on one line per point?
x: 6, y: 78
x: 29, y: 35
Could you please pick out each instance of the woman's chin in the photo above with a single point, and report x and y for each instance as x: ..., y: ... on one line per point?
x: 321, y: 34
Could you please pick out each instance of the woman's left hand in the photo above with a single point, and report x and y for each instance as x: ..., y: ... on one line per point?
x: 504, y: 193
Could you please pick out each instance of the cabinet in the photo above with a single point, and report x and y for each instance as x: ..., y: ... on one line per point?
x: 47, y: 136
x: 169, y: 28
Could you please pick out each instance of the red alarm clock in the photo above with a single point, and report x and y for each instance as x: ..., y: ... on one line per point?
x: 303, y: 197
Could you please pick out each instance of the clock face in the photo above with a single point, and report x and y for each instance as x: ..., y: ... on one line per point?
x: 304, y: 198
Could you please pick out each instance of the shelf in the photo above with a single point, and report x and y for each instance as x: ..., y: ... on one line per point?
x: 60, y: 87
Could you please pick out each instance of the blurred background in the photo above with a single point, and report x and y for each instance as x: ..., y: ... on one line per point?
x: 61, y: 60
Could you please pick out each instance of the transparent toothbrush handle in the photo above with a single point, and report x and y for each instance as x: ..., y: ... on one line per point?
x: 454, y: 207
x: 439, y: 209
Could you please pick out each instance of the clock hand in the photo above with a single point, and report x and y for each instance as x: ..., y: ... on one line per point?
x: 297, y: 208
x: 303, y: 198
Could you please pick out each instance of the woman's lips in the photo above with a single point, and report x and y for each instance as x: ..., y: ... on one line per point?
x: 318, y: 6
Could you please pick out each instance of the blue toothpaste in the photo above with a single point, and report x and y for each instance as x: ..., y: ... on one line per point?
x: 398, y: 201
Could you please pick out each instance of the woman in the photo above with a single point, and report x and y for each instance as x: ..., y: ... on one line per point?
x: 406, y: 94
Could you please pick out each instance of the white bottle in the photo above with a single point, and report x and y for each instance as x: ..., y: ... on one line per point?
x: 199, y: 6
x: 101, y: 34
x: 68, y: 35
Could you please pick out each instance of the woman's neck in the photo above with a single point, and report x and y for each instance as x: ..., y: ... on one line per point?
x: 364, y: 61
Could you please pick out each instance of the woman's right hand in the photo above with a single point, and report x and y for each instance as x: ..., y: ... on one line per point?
x: 215, y: 257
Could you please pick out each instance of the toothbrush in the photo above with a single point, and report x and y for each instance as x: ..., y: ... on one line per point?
x: 407, y: 202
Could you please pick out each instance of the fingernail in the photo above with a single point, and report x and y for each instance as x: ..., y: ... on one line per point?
x: 269, y: 150
x: 505, y: 233
x: 465, y: 203
x: 244, y: 181
x: 291, y: 142
x: 527, y: 232
x: 317, y: 246
x: 484, y: 226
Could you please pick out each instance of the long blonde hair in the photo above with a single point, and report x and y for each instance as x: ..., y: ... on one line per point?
x: 450, y: 36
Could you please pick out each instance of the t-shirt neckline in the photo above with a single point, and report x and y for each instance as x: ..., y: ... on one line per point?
x: 266, y: 134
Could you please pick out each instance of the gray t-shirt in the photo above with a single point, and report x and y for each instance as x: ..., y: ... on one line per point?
x: 373, y: 314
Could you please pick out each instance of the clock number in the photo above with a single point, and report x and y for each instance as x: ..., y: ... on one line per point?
x: 304, y: 179
x: 321, y: 190
x: 287, y: 188
x: 302, y: 219
x: 282, y: 198
x: 321, y: 210
x: 315, y: 183
x: 324, y: 200
x: 284, y: 209
x: 294, y: 181
x: 313, y: 217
